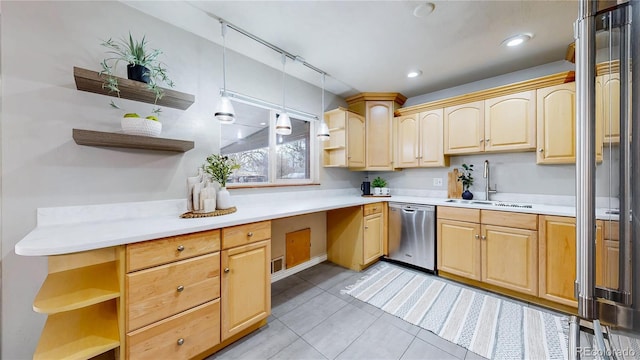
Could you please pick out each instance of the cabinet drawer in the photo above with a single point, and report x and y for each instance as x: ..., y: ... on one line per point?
x: 509, y: 219
x: 182, y: 336
x: 157, y: 293
x: 460, y: 214
x: 374, y: 208
x: 245, y: 234
x: 162, y: 251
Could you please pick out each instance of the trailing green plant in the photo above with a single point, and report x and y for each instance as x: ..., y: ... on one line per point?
x: 220, y: 168
x: 133, y: 52
x: 379, y: 182
x: 466, y: 177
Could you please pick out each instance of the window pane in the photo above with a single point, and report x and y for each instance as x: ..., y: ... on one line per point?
x: 293, y: 152
x: 247, y: 141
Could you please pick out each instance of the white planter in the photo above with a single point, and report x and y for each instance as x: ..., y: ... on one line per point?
x: 141, y: 126
x: 223, y: 199
x: 378, y: 191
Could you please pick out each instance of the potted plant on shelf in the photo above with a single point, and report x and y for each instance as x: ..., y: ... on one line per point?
x: 220, y: 167
x: 467, y: 181
x: 142, y: 65
x: 380, y: 187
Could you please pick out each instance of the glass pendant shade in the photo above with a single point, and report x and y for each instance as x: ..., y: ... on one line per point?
x: 283, y: 124
x: 323, y: 131
x: 224, y: 111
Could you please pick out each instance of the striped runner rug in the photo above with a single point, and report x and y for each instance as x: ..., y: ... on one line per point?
x: 493, y: 327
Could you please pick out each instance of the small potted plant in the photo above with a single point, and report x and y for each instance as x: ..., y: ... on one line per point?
x: 380, y: 187
x: 220, y: 167
x: 142, y: 65
x: 467, y: 181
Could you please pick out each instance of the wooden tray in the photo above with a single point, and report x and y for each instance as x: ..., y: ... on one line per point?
x: 192, y: 215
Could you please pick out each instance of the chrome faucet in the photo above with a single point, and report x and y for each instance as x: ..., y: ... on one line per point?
x: 487, y: 188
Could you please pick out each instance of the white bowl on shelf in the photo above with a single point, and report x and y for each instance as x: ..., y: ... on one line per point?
x: 141, y: 126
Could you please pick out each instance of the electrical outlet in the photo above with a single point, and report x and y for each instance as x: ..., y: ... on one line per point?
x: 437, y: 181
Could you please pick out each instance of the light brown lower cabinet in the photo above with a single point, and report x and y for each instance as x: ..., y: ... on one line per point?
x: 610, y: 255
x: 357, y: 236
x: 494, y: 247
x: 246, y: 286
x: 558, y: 258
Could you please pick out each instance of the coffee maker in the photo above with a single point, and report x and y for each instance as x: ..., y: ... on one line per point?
x: 366, y: 188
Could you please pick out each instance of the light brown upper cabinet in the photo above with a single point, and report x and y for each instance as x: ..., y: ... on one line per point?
x: 346, y: 145
x: 464, y: 128
x: 500, y: 124
x: 378, y: 109
x: 556, y: 115
x: 419, y: 140
x: 607, y: 109
x: 510, y: 122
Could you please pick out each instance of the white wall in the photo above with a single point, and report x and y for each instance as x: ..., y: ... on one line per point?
x: 43, y: 167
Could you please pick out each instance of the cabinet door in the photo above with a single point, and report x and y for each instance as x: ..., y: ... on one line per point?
x: 373, y: 239
x: 459, y: 248
x: 464, y: 128
x: 431, y: 136
x: 610, y: 106
x: 246, y: 286
x: 510, y: 122
x: 407, y: 141
x: 556, y: 115
x: 510, y: 258
x: 611, y: 255
x: 558, y: 257
x: 379, y: 139
x: 355, y: 140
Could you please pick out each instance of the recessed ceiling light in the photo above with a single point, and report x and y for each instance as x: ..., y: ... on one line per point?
x: 423, y: 10
x: 414, y: 73
x: 263, y: 123
x: 516, y: 40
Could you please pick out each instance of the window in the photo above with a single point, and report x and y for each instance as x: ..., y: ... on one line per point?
x: 265, y: 157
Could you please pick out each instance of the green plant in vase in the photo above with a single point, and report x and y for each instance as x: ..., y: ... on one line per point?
x: 379, y: 186
x: 467, y: 181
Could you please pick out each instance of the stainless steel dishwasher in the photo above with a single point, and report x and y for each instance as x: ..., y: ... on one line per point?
x: 412, y: 234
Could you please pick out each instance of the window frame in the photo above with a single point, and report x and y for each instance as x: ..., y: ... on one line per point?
x: 314, y: 159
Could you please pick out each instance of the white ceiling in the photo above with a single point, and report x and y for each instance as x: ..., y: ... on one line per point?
x: 368, y: 46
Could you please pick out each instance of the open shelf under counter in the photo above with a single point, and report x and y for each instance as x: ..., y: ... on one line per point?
x: 110, y: 139
x: 92, y: 81
x: 77, y: 288
x: 80, y: 334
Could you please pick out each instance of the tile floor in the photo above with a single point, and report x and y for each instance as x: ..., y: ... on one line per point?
x: 311, y: 319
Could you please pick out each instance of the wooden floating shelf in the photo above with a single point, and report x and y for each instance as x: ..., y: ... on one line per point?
x: 109, y: 139
x: 77, y: 288
x: 91, y: 81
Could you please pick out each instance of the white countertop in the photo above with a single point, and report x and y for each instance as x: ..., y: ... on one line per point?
x: 72, y: 229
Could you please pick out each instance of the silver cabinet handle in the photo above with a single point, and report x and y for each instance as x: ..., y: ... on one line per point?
x: 481, y: 140
x: 477, y: 236
x: 180, y: 341
x: 484, y: 237
x: 180, y: 248
x: 487, y: 140
x: 226, y: 270
x: 366, y: 227
x: 540, y: 150
x: 249, y: 234
x: 180, y: 288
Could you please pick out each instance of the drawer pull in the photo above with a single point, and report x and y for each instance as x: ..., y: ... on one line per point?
x: 180, y: 341
x: 250, y: 234
x: 180, y: 248
x: 226, y: 270
x: 180, y: 288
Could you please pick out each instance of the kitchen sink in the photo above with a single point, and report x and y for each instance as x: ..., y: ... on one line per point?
x: 491, y: 203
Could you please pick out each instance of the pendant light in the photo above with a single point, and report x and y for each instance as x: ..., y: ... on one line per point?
x: 224, y: 109
x: 323, y: 129
x: 283, y: 124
